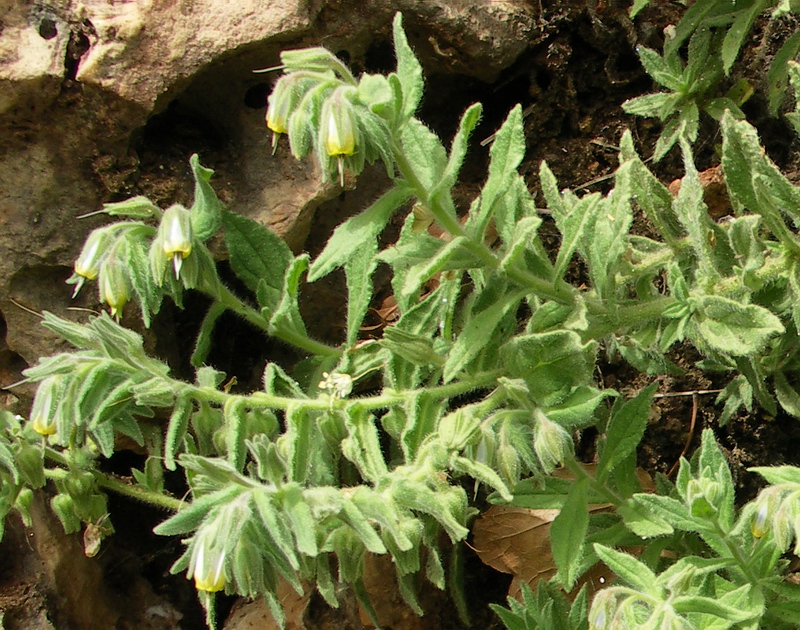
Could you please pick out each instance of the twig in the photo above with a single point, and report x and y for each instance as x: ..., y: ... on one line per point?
x: 689, y: 437
x: 694, y: 392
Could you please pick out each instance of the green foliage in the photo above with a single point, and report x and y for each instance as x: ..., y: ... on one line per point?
x: 481, y: 381
x: 716, y: 31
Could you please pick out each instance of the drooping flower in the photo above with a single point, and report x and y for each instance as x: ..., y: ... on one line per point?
x: 175, y: 236
x: 45, y: 404
x: 114, y: 284
x: 208, y: 565
x: 87, y: 266
x: 338, y: 127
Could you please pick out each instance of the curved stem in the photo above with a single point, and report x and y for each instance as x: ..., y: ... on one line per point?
x: 230, y: 301
x: 106, y: 482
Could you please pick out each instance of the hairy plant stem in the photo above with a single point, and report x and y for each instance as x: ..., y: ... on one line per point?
x: 230, y: 301
x: 106, y: 482
x: 388, y: 398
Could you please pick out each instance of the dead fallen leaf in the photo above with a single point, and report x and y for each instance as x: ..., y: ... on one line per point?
x: 517, y: 541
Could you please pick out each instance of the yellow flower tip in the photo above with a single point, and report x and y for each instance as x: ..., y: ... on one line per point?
x: 339, y: 139
x: 759, y: 526
x: 178, y: 235
x: 208, y: 572
x: 44, y: 426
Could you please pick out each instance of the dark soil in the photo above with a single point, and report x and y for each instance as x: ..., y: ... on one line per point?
x: 571, y: 83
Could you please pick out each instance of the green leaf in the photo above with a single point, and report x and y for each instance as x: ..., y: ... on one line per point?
x: 300, y: 518
x: 665, y: 509
x: 787, y: 396
x: 688, y: 604
x: 286, y: 321
x: 625, y: 430
x: 458, y: 149
x: 189, y: 517
x: 568, y: 533
x: 574, y: 227
x: 629, y: 570
x: 207, y: 208
x: 359, y: 270
x: 176, y: 430
x: 651, y: 105
x: 743, y: 158
x: 408, y: 69
x: 734, y: 328
x: 550, y: 363
x: 355, y: 233
x: 478, y: 333
x: 778, y: 474
x: 657, y: 68
x: 256, y: 254
x: 234, y: 413
x: 425, y: 153
x: 577, y: 409
x: 204, y: 337
x: 737, y: 33
x: 778, y: 73
x: 138, y: 207
x: 506, y: 153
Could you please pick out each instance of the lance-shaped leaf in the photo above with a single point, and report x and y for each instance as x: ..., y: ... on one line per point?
x: 300, y: 519
x: 625, y: 429
x: 359, y: 270
x: 286, y: 321
x: 479, y: 333
x: 357, y: 232
x: 568, y: 533
x: 176, y: 430
x: 189, y: 517
x: 629, y: 570
x: 508, y: 149
x: 408, y: 69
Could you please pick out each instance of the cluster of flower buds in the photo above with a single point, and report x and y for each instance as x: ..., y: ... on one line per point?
x: 321, y: 107
x: 104, y: 258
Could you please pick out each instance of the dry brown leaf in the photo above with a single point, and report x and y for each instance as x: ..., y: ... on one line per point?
x: 517, y: 541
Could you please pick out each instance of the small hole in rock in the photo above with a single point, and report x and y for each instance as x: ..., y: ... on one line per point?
x: 256, y: 96
x: 47, y: 28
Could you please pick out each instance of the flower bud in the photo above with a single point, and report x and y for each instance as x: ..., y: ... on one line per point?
x: 281, y: 103
x: 338, y: 128
x: 94, y: 250
x: 114, y: 285
x: 45, y: 404
x: 175, y: 235
x: 207, y: 564
x: 760, y: 524
x: 551, y: 442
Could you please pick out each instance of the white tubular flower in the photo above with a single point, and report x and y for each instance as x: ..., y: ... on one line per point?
x: 207, y: 565
x: 43, y: 412
x: 94, y: 250
x: 338, y: 127
x: 175, y: 235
